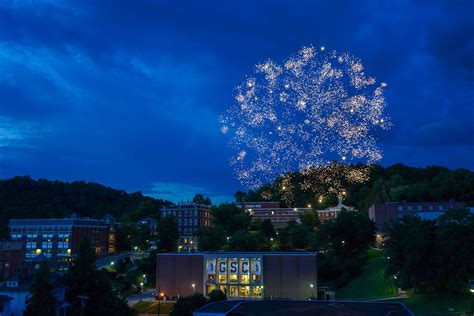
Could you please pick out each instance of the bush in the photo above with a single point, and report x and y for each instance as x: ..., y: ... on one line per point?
x: 187, y: 304
x: 217, y: 295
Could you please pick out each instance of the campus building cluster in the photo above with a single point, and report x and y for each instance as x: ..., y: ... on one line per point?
x: 382, y: 213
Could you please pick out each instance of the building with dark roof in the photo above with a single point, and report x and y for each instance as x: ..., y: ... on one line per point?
x: 11, y: 258
x: 58, y: 239
x: 190, y: 217
x: 382, y: 213
x: 250, y: 275
x: 301, y: 308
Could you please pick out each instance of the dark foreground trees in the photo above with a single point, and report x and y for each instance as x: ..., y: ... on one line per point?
x: 431, y: 255
x: 343, y: 245
x: 92, y: 287
x: 42, y: 301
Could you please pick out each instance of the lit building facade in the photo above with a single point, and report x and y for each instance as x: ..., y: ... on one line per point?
x: 382, y: 213
x: 11, y: 257
x: 333, y: 211
x: 190, y: 217
x: 241, y: 275
x: 272, y: 211
x: 58, y: 239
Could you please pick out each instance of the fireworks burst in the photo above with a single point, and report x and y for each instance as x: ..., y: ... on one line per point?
x: 316, y: 108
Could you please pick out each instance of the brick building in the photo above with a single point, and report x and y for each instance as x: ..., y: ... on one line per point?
x: 333, y: 211
x: 58, y: 239
x: 252, y: 275
x: 11, y: 258
x: 190, y: 217
x: 279, y: 216
x: 382, y: 213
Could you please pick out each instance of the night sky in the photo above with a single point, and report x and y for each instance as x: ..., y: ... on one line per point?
x: 127, y: 94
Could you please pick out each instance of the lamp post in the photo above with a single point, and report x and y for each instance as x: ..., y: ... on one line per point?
x: 141, y: 291
x: 312, y: 291
x: 194, y: 287
x: 472, y: 302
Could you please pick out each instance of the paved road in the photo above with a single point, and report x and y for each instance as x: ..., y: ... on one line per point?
x: 148, y: 296
x: 102, y: 262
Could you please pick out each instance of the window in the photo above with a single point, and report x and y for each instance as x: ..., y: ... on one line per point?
x: 245, y: 291
x: 418, y: 207
x: 440, y: 207
x: 400, y: 208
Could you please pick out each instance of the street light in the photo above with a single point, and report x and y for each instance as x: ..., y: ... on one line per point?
x: 141, y: 291
x: 112, y: 263
x: 194, y: 287
x: 312, y: 292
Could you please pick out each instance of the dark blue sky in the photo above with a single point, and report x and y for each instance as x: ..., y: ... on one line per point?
x: 127, y: 93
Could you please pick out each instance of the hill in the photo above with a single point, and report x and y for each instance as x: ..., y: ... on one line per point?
x: 24, y: 197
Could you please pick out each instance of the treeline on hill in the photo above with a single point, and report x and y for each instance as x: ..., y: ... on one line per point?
x: 24, y: 197
x: 395, y: 183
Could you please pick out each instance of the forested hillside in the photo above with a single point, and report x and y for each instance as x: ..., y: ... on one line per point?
x: 395, y: 183
x: 24, y: 197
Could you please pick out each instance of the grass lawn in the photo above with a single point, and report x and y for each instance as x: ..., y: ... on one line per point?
x: 370, y: 283
x: 152, y: 307
x: 436, y: 303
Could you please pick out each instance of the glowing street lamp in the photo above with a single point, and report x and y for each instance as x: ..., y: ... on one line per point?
x: 312, y: 291
x: 194, y: 287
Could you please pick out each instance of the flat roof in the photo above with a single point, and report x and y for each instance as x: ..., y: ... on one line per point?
x: 230, y: 253
x: 302, y: 308
x: 56, y: 222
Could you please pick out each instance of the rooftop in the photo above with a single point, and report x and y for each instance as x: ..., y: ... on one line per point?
x: 301, y: 308
x: 230, y: 253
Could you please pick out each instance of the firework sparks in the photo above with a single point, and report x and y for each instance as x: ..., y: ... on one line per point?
x: 315, y: 108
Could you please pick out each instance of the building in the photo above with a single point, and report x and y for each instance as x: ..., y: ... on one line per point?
x: 382, y: 213
x: 279, y: 216
x: 11, y: 258
x: 58, y: 239
x: 249, y: 275
x: 19, y: 291
x: 332, y: 212
x: 190, y: 217
x: 5, y: 305
x: 302, y: 308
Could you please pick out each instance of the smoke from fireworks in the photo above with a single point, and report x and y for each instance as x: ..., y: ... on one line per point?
x: 316, y: 108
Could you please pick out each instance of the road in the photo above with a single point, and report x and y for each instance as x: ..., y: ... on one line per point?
x: 102, y: 262
x: 148, y: 296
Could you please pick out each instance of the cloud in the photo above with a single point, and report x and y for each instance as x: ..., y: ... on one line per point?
x: 177, y: 192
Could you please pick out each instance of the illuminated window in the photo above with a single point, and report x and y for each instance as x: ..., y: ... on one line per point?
x: 257, y: 291
x: 222, y: 278
x: 233, y: 278
x: 255, y: 278
x: 234, y: 291
x: 244, y: 279
x: 245, y: 291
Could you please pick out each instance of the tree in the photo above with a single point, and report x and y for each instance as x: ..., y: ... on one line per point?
x: 187, y: 304
x: 211, y: 238
x: 42, y: 301
x: 240, y: 196
x: 200, y: 199
x: 168, y: 233
x: 267, y: 228
x: 431, y: 255
x: 217, y: 295
x: 231, y: 218
x: 242, y: 241
x: 411, y: 251
x: 83, y: 279
x: 309, y: 219
x: 343, y: 244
